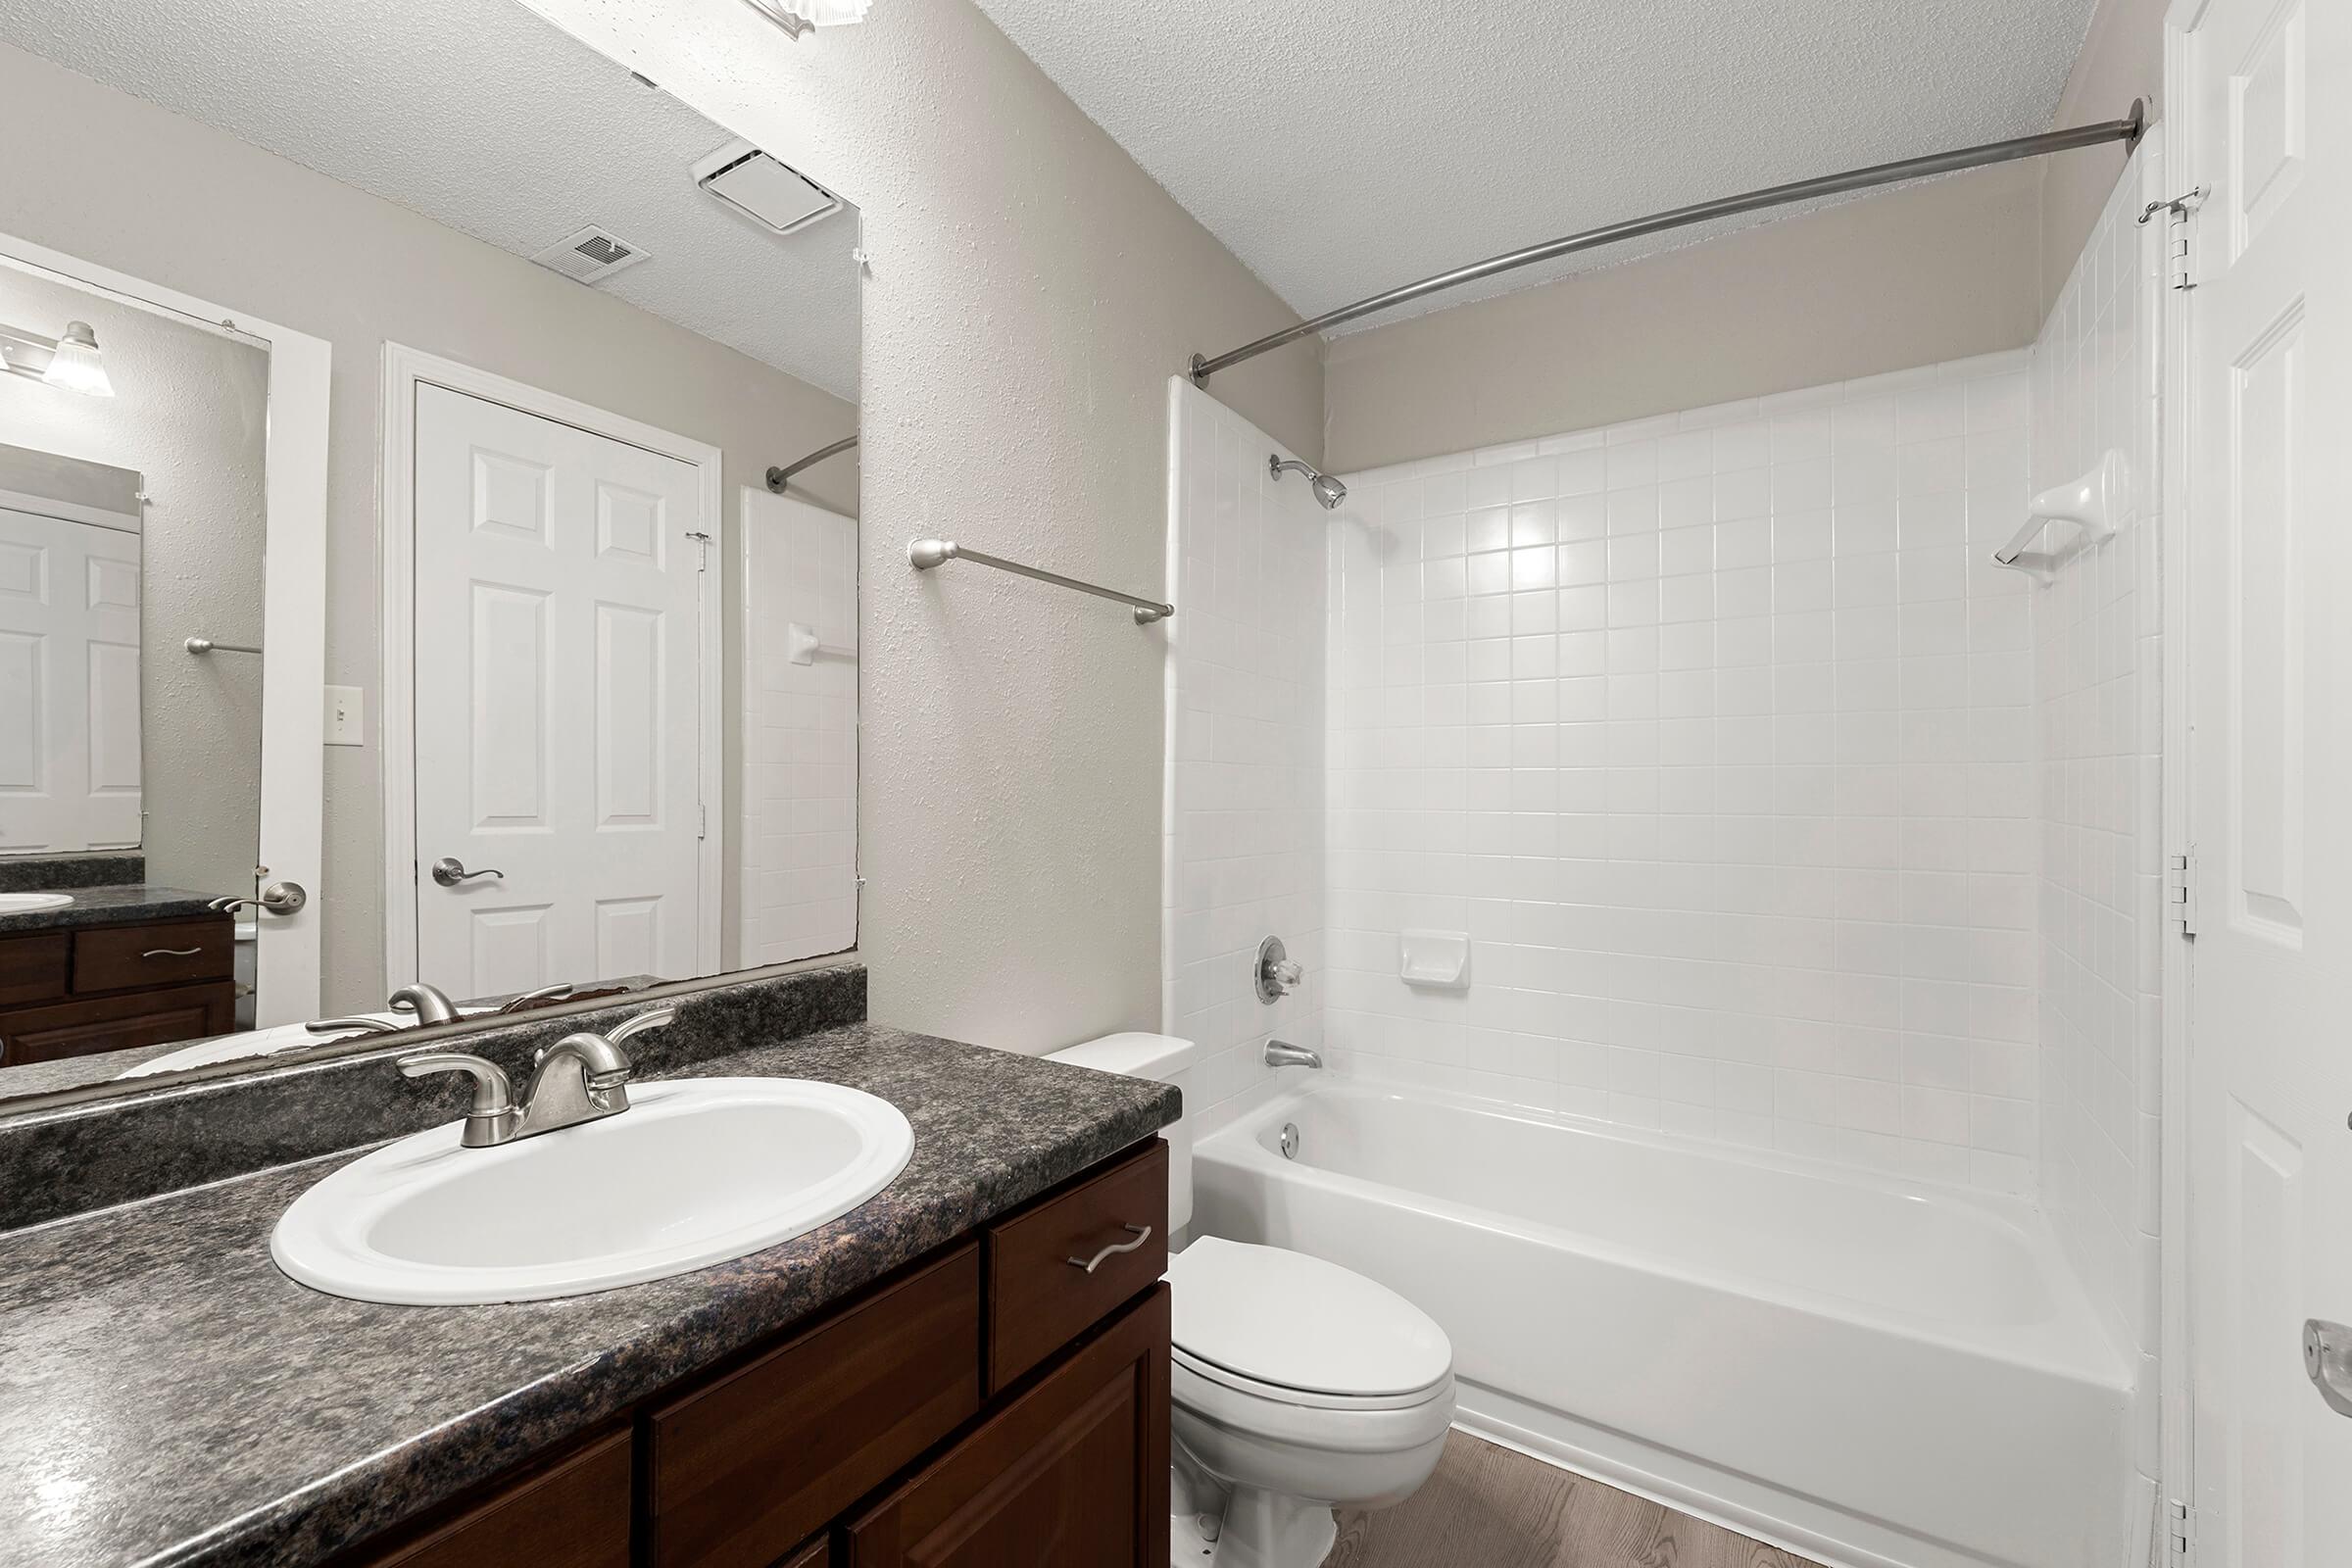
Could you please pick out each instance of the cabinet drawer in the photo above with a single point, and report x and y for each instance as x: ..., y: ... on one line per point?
x: 1072, y: 1473
x: 124, y: 956
x: 1039, y: 1298
x: 573, y: 1514
x: 744, y: 1469
x: 87, y: 1024
x: 33, y: 968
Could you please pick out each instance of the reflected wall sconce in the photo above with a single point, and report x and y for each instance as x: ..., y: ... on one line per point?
x: 70, y: 362
x: 796, y: 17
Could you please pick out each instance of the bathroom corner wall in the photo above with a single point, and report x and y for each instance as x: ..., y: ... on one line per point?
x: 1245, y: 786
x: 1715, y: 733
x: 1029, y: 290
x: 2100, y: 710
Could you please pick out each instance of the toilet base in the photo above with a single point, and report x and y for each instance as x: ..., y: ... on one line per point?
x: 1269, y: 1530
x: 1258, y: 1530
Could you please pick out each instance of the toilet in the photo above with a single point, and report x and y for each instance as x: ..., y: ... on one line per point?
x: 1299, y: 1387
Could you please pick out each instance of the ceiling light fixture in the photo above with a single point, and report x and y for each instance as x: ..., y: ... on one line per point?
x: 796, y: 17
x: 72, y: 362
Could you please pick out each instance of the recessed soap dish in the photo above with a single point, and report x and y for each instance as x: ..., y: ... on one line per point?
x: 1438, y: 959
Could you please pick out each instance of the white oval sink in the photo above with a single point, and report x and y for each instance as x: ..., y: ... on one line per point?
x: 26, y: 903
x: 695, y: 1172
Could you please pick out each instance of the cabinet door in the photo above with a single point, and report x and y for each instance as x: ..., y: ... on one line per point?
x: 116, y: 1023
x: 1071, y: 1474
x: 573, y: 1514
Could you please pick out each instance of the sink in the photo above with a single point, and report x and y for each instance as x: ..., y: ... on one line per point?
x: 26, y: 903
x: 695, y: 1172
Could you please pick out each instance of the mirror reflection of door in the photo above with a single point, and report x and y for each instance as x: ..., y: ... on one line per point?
x: 69, y: 679
x: 559, y: 678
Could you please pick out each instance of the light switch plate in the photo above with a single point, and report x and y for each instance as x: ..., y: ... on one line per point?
x: 345, y: 717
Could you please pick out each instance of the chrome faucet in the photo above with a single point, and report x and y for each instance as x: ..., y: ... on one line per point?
x: 1282, y: 1054
x: 1277, y: 973
x: 581, y: 1077
x: 430, y: 1003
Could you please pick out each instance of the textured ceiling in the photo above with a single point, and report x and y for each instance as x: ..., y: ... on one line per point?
x: 1344, y: 147
x: 482, y: 115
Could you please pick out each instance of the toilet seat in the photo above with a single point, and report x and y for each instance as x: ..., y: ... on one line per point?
x: 1230, y: 1394
x: 1271, y: 1324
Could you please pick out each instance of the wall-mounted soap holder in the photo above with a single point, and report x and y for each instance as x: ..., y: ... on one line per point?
x: 2091, y: 502
x: 1438, y: 960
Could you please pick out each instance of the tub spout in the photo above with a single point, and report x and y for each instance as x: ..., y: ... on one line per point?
x: 1282, y: 1054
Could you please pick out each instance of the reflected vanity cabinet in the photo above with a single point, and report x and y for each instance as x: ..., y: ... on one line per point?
x: 68, y: 993
x: 926, y: 1421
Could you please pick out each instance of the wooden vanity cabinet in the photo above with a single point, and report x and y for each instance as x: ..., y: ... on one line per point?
x: 1072, y: 1473
x: 115, y: 986
x: 883, y: 1435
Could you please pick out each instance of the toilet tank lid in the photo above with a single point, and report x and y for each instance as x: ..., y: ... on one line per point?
x: 1158, y: 1057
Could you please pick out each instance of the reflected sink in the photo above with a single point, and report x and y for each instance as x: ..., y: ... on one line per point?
x: 695, y: 1172
x: 26, y: 903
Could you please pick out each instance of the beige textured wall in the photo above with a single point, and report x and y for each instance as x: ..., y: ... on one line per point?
x: 99, y: 174
x: 1933, y: 271
x: 2122, y: 59
x: 188, y: 413
x: 1030, y: 291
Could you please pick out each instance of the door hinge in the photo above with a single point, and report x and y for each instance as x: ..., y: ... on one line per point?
x: 702, y: 554
x: 2180, y: 1532
x: 2181, y: 893
x: 701, y: 823
x: 2175, y: 235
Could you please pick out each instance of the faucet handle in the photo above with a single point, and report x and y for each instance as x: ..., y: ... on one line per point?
x: 649, y: 1019
x: 493, y: 1095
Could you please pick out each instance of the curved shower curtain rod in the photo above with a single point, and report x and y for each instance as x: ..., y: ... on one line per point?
x: 2126, y: 130
x: 778, y: 477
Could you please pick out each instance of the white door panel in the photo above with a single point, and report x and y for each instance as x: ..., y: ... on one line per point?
x: 68, y: 685
x: 559, y: 688
x: 2270, y: 1086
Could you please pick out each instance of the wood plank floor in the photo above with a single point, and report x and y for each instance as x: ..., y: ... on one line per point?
x: 1489, y: 1507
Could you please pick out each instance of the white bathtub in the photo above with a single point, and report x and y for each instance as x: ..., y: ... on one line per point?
x: 1867, y: 1371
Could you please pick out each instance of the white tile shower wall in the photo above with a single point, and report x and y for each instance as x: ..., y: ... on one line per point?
x: 800, y: 740
x: 1715, y: 731
x: 2098, y: 670
x: 1244, y: 777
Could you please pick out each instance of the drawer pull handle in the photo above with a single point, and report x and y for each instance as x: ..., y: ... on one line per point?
x: 1141, y: 1233
x: 171, y: 953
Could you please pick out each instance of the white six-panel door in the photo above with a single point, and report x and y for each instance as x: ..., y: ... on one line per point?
x: 68, y: 685
x: 558, y: 703
x: 2262, y: 109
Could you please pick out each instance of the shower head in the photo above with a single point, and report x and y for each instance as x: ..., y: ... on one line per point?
x: 1329, y: 491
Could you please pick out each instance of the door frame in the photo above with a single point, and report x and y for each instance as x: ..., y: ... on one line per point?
x: 405, y: 368
x: 294, y: 588
x: 2176, y: 1245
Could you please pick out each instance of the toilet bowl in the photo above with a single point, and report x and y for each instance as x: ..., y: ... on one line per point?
x: 1297, y: 1387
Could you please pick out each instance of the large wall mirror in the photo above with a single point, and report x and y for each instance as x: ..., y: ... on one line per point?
x: 429, y: 497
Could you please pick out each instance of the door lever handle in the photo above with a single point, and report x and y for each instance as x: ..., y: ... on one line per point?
x: 449, y: 872
x: 2328, y: 1362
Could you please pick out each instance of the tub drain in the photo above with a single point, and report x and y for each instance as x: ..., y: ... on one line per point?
x: 1290, y: 1140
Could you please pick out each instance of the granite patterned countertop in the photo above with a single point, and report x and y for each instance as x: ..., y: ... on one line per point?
x: 116, y: 905
x: 173, y: 1399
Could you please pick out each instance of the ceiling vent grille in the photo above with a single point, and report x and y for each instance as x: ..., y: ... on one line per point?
x: 590, y: 256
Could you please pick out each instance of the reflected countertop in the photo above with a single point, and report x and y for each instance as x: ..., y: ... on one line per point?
x: 120, y: 904
x: 173, y: 1399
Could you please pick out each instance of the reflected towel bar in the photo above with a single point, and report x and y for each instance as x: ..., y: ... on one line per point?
x: 925, y: 554
x: 205, y: 645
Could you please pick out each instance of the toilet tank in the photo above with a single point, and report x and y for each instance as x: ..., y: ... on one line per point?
x: 1162, y: 1058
